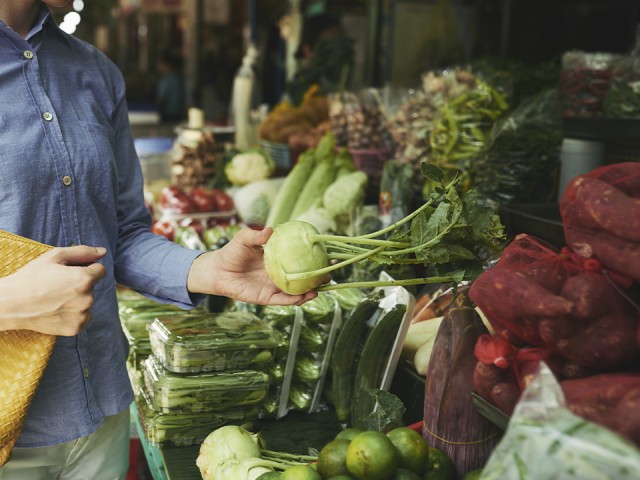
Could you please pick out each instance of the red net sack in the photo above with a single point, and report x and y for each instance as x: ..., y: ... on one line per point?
x: 540, y: 296
x: 601, y: 217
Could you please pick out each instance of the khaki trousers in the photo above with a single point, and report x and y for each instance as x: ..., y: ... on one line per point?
x: 103, y: 455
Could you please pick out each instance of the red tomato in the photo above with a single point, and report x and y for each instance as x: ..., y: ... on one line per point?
x: 204, y: 199
x: 175, y: 199
x: 224, y: 202
x: 166, y: 228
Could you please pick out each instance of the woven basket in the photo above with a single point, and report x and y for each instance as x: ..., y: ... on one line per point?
x: 23, y: 353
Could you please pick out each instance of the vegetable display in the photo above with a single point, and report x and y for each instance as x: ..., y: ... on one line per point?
x: 447, y: 232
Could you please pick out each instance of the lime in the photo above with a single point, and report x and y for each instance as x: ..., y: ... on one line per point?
x: 372, y: 456
x: 473, y: 474
x: 349, y: 433
x: 332, y: 459
x: 439, y: 466
x: 300, y: 472
x: 341, y: 477
x: 413, y: 450
x: 404, y: 474
x: 269, y: 476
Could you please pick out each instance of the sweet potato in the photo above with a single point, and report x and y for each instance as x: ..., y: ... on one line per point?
x: 557, y: 329
x: 592, y: 295
x: 617, y: 254
x: 509, y: 295
x: 487, y: 376
x: 609, y: 207
x: 610, y: 399
x: 607, y: 343
x: 505, y: 396
x: 625, y: 417
x: 548, y: 275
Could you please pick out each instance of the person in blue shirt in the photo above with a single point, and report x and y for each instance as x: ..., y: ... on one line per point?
x: 70, y: 178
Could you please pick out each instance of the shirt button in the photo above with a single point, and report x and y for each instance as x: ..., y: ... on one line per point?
x: 85, y: 372
x: 28, y: 54
x: 47, y: 116
x: 66, y: 180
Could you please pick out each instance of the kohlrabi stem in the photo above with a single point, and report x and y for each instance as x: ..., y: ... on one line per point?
x: 331, y: 268
x: 409, y: 217
x: 407, y: 261
x: 361, y: 240
x: 386, y: 283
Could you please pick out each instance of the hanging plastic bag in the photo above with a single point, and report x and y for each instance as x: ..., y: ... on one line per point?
x: 544, y: 440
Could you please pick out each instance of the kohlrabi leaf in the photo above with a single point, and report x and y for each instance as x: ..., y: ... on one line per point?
x: 387, y: 413
x: 431, y: 172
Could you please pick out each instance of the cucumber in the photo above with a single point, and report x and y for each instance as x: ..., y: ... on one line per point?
x: 375, y: 354
x: 344, y: 356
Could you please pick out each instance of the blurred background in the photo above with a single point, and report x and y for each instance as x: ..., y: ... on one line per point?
x: 394, y: 40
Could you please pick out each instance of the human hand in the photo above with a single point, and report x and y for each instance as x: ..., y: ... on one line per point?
x: 52, y: 294
x: 237, y: 271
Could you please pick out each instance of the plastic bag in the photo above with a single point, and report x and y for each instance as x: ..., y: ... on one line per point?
x: 623, y: 98
x: 544, y: 440
x: 584, y: 82
x: 521, y: 160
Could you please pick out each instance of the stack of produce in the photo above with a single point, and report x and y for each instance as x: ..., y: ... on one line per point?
x: 322, y: 189
x: 462, y: 125
x: 198, y: 165
x: 570, y: 310
x: 199, y: 218
x: 299, y: 127
x: 204, y: 363
x: 136, y: 312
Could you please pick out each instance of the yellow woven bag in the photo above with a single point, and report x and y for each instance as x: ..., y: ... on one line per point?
x: 23, y: 353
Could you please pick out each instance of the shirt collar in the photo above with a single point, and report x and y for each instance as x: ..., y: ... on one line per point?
x: 44, y: 17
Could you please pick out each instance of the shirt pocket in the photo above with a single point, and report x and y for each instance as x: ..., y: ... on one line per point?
x: 95, y: 164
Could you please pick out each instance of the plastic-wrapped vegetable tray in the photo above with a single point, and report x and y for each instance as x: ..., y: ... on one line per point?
x: 203, y: 392
x: 212, y: 342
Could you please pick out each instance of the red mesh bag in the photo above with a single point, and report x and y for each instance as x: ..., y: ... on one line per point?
x: 504, y: 370
x: 538, y: 295
x: 601, y: 217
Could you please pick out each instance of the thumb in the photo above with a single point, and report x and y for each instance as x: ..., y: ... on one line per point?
x: 254, y: 238
x: 78, y: 255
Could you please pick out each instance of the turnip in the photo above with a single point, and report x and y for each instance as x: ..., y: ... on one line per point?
x: 446, y: 233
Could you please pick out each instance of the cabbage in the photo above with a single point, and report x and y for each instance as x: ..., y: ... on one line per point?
x: 249, y: 166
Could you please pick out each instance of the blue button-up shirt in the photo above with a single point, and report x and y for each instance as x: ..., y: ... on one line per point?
x: 69, y: 175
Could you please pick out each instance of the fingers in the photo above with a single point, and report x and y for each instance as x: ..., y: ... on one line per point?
x: 254, y: 238
x: 78, y: 255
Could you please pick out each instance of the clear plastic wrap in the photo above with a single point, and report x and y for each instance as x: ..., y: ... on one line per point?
x: 544, y: 440
x: 202, y: 392
x: 623, y: 97
x: 520, y: 162
x: 584, y: 82
x: 212, y: 342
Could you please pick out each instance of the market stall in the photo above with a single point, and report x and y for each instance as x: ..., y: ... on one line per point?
x: 482, y: 249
